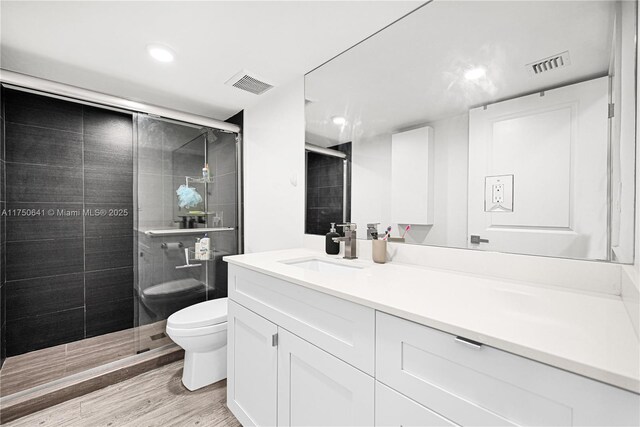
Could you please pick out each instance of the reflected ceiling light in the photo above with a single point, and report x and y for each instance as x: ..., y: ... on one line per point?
x: 160, y: 53
x: 338, y: 121
x: 475, y: 73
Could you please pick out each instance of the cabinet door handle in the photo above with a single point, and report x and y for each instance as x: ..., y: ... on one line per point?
x: 471, y: 343
x: 274, y: 340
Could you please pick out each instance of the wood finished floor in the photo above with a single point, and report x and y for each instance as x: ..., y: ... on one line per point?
x: 155, y: 398
x: 42, y: 366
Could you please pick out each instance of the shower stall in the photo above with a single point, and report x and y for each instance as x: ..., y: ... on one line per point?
x: 97, y: 246
x: 170, y: 273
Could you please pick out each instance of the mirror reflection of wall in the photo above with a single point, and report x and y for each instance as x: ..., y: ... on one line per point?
x: 527, y: 155
x: 372, y: 173
x: 328, y: 192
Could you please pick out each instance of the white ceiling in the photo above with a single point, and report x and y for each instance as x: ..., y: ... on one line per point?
x: 412, y: 72
x: 101, y: 45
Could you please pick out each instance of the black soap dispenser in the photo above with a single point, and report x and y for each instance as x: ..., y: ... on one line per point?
x: 331, y: 247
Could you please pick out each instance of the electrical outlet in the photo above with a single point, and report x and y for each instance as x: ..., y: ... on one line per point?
x: 498, y: 193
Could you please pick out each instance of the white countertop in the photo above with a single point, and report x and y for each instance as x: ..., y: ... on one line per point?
x: 588, y: 334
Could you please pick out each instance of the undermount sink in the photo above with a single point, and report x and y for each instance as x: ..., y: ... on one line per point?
x: 323, y: 266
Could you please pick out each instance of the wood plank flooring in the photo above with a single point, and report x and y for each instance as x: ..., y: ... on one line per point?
x: 39, y: 398
x: 39, y: 367
x: 155, y: 398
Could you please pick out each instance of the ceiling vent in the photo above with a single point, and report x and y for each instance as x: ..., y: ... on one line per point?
x: 545, y: 65
x: 250, y: 83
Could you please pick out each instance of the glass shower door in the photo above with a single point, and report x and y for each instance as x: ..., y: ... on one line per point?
x: 187, y: 190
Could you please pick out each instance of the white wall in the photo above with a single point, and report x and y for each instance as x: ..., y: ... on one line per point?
x: 637, y: 246
x: 371, y: 176
x: 274, y: 170
x: 371, y: 182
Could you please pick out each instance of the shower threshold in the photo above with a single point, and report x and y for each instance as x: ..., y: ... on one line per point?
x: 34, y: 394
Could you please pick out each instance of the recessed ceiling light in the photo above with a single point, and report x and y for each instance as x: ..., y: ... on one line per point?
x: 475, y: 73
x: 338, y: 121
x: 160, y: 53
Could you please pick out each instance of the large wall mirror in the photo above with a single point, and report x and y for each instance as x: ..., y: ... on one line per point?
x: 494, y: 125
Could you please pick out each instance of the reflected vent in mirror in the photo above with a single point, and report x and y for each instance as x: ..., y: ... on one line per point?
x: 250, y: 83
x: 560, y: 60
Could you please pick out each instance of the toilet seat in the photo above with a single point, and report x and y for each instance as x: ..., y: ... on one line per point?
x: 196, y: 332
x: 199, y: 316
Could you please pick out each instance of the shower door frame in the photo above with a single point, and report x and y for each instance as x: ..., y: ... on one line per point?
x: 25, y: 83
x: 18, y: 81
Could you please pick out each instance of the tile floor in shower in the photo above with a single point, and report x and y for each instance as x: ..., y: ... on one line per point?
x: 42, y: 366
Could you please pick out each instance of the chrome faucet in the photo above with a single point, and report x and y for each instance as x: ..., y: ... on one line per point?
x: 349, y: 240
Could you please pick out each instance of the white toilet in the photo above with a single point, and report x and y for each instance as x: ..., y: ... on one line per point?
x: 201, y: 330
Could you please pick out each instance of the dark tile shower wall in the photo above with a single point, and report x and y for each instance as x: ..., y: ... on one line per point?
x: 69, y: 221
x: 324, y: 190
x: 3, y: 311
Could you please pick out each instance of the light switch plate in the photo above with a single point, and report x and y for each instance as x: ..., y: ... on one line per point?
x: 498, y: 193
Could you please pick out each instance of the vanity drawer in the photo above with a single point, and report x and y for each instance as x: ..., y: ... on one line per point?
x: 486, y: 386
x: 342, y: 328
x: 396, y: 410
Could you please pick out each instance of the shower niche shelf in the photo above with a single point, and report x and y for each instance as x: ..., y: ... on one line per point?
x: 199, y: 180
x: 193, y: 258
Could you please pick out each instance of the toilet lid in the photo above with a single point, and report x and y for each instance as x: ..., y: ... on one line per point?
x: 173, y: 288
x: 198, y: 315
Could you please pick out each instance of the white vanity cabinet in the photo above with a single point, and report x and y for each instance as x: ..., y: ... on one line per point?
x: 293, y: 354
x: 395, y: 410
x: 298, y: 356
x: 316, y: 388
x: 252, y: 366
x: 340, y: 327
x: 476, y: 385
